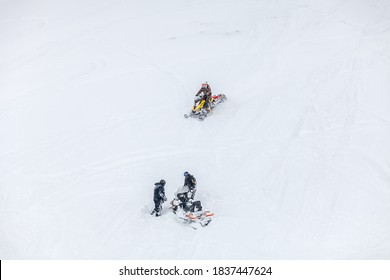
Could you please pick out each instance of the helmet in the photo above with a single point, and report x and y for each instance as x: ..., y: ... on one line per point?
x: 204, y: 85
x: 186, y: 174
x: 162, y: 182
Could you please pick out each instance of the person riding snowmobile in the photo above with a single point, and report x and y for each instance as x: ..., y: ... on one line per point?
x: 158, y: 197
x: 207, y: 95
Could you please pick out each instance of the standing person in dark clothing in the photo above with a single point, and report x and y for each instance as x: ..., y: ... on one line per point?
x: 159, y: 197
x: 190, y: 182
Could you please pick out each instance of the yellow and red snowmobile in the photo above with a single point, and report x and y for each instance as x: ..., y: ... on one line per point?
x: 200, y: 111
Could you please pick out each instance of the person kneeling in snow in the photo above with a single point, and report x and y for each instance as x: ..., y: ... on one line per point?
x: 159, y: 197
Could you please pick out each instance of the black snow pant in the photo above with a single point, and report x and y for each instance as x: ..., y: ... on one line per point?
x: 158, y: 206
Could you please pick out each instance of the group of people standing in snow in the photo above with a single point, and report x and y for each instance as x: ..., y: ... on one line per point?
x: 184, y: 197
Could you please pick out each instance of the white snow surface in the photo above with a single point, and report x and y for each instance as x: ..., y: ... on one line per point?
x: 295, y: 165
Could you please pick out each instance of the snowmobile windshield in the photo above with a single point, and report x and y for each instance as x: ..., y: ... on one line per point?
x: 182, y: 189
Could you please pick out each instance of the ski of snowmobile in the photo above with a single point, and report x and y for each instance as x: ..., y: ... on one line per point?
x: 194, y: 219
x: 198, y: 116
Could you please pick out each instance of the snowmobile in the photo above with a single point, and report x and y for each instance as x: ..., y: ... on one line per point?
x: 191, y: 212
x: 199, y: 110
